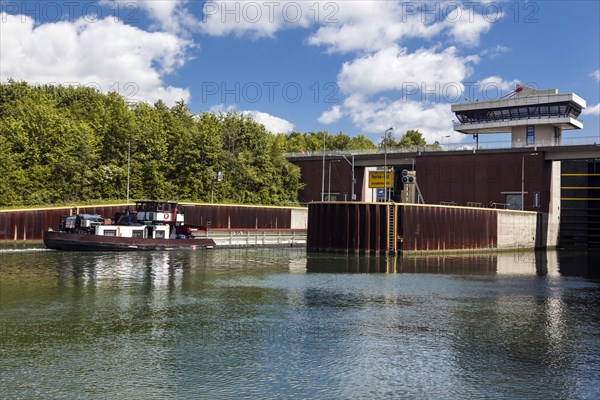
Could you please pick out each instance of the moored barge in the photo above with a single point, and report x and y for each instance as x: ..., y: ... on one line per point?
x: 150, y: 226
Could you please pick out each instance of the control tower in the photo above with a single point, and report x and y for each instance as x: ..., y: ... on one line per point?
x: 533, y: 117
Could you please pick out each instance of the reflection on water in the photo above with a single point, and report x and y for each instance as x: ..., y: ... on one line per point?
x: 541, y: 263
x: 254, y: 323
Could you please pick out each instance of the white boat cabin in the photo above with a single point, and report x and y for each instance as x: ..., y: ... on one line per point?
x: 135, y: 231
x: 151, y: 220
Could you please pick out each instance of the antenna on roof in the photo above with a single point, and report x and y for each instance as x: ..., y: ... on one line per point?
x: 518, y: 89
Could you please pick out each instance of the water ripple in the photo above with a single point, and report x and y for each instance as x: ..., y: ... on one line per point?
x: 239, y: 325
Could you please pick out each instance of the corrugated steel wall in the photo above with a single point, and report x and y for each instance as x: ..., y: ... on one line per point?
x: 31, y: 224
x: 347, y: 227
x: 362, y: 227
x: 340, y: 181
x: 483, y: 177
x: 447, y: 228
x: 28, y: 225
x: 242, y: 217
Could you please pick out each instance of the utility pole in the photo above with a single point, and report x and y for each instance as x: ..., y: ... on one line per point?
x: 352, y: 196
x: 218, y: 175
x: 323, y: 177
x: 523, y: 179
x: 329, y: 184
x: 128, y: 167
x: 385, y: 189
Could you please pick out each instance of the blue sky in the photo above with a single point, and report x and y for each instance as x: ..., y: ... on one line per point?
x: 353, y: 66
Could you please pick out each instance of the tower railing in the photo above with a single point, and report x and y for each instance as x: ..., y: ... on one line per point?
x: 492, y: 119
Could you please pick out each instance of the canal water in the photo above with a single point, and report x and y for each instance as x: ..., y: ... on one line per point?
x: 276, y: 323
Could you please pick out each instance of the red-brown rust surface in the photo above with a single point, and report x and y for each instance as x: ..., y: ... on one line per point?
x: 362, y: 227
x: 241, y: 217
x: 447, y: 228
x: 483, y: 178
x: 347, y: 227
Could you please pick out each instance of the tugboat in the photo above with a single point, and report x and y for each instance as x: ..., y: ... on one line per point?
x: 151, y: 226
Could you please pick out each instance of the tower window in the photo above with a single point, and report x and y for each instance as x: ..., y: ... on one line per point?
x: 557, y: 136
x: 530, y: 135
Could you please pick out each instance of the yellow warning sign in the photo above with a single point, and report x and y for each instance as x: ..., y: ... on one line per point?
x: 376, y: 179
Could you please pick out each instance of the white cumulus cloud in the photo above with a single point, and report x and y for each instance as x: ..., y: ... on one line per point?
x: 366, y: 26
x: 495, y: 51
x: 347, y: 26
x: 593, y: 110
x: 169, y: 15
x: 596, y: 74
x: 331, y: 116
x: 255, y: 19
x: 272, y: 123
x: 371, y: 25
x: 433, y: 120
x: 468, y: 29
x: 395, y: 68
x: 105, y: 54
x: 494, y: 87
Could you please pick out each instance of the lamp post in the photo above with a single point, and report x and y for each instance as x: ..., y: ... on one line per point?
x: 523, y: 179
x: 128, y: 167
x: 329, y: 183
x: 212, y: 187
x: 385, y: 139
x: 352, y: 165
x: 218, y: 175
x: 323, y: 175
x: 444, y: 137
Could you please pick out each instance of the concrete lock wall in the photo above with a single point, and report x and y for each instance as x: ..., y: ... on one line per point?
x: 299, y: 218
x: 554, y: 209
x: 516, y: 229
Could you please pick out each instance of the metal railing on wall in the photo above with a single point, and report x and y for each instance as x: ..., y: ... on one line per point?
x: 504, y: 144
x: 254, y: 237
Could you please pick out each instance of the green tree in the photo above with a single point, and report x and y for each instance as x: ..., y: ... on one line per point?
x: 412, y: 138
x: 65, y: 144
x: 360, y: 142
x: 317, y: 141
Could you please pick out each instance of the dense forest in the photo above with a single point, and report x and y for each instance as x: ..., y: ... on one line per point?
x: 61, y: 145
x: 65, y: 145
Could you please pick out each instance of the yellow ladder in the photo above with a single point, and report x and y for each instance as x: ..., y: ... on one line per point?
x: 392, y: 246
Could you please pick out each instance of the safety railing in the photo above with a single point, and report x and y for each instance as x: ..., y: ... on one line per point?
x: 492, y: 145
x: 254, y: 237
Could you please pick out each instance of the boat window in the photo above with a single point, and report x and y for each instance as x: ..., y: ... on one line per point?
x: 159, y: 234
x: 138, y: 233
x: 110, y: 232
